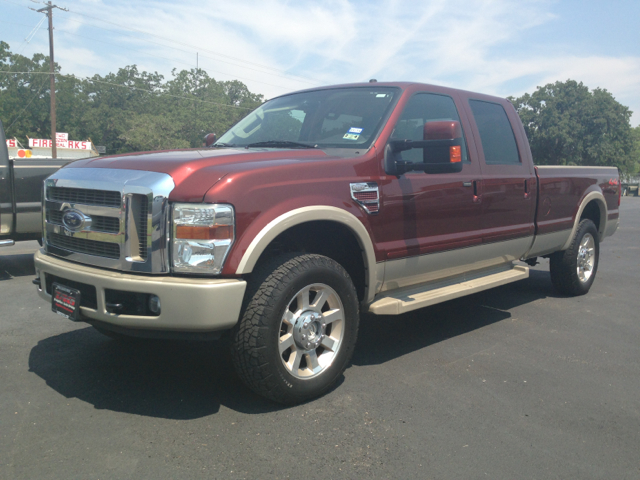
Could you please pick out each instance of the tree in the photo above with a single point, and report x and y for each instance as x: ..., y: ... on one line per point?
x: 569, y: 125
x: 126, y: 111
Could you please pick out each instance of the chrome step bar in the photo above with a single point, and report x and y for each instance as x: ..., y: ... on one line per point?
x: 405, y: 300
x: 7, y: 243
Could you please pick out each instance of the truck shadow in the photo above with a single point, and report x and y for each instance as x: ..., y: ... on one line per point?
x: 20, y: 265
x: 189, y: 380
x: 164, y: 379
x: 383, y: 338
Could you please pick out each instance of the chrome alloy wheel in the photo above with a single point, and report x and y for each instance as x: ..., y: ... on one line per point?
x: 586, y: 257
x: 311, y: 331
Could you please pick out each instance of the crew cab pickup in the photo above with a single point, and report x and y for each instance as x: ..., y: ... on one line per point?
x: 319, y: 205
x: 21, y: 194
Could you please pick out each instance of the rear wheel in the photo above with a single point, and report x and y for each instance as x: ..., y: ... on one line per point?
x: 298, y: 329
x: 574, y: 269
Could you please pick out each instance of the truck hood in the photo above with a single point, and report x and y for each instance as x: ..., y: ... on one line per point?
x: 195, y: 171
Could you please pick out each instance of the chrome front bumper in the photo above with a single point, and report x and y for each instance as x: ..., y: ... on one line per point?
x: 188, y: 304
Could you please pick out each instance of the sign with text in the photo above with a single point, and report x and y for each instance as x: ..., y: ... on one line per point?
x: 62, y: 136
x: 71, y: 144
x: 12, y: 143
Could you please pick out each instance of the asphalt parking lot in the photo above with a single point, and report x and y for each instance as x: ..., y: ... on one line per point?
x: 516, y: 382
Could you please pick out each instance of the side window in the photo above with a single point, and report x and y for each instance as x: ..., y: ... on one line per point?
x: 498, y: 140
x: 420, y: 109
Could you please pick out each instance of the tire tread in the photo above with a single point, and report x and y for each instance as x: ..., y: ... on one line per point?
x: 248, y: 338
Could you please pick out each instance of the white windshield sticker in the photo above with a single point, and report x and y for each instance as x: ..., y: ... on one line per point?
x: 353, y: 133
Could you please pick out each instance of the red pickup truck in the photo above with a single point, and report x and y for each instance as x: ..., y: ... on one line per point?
x: 319, y: 205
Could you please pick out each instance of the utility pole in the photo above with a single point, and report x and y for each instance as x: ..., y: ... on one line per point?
x: 48, y: 10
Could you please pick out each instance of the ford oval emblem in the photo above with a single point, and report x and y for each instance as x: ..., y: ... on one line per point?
x: 73, y: 220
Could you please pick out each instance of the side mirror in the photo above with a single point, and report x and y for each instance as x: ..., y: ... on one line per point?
x: 209, y: 139
x: 441, y: 150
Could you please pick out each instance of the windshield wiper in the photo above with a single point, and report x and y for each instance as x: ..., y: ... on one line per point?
x: 219, y: 144
x: 280, y: 143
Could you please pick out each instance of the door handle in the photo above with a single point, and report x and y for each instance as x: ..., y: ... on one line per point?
x: 466, y: 184
x: 477, y: 191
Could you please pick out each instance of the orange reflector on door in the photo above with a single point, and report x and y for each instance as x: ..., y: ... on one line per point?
x: 215, y: 232
x: 455, y: 154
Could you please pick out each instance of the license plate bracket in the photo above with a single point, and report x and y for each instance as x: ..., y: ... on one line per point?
x: 65, y: 301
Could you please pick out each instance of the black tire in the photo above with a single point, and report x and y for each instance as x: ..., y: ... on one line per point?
x: 257, y: 338
x: 565, y: 265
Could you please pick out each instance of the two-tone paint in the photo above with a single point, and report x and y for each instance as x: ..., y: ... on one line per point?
x: 428, y: 227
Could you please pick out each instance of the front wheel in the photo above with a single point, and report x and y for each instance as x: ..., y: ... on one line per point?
x: 574, y: 269
x: 298, y: 329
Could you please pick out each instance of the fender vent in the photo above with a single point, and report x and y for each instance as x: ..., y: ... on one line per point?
x: 367, y: 196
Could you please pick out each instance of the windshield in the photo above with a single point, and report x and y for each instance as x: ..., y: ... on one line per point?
x: 339, y: 118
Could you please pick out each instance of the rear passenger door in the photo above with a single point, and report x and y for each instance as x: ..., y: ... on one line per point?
x: 509, y: 181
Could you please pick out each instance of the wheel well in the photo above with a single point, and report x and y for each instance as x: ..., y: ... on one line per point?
x: 592, y: 212
x: 327, y: 238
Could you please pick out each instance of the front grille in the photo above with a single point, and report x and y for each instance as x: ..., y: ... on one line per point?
x: 88, y: 296
x: 98, y: 223
x: 83, y: 245
x: 129, y: 218
x: 105, y: 224
x: 104, y: 198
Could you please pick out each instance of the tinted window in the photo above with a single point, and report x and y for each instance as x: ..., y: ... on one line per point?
x: 498, y: 141
x: 420, y: 109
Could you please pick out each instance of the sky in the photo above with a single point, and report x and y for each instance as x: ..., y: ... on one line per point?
x: 498, y: 47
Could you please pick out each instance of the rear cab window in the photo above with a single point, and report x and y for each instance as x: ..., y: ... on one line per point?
x: 496, y: 135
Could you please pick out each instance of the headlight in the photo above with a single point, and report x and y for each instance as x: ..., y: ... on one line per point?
x: 202, y: 237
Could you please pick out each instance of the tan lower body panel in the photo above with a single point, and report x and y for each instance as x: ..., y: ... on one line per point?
x: 405, y: 300
x: 188, y: 304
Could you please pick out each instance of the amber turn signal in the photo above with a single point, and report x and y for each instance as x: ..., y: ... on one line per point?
x: 214, y: 232
x: 455, y: 154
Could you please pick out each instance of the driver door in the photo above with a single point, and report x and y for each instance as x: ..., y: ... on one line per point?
x: 429, y: 221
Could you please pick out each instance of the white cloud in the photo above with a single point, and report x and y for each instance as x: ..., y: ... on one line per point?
x: 482, y: 45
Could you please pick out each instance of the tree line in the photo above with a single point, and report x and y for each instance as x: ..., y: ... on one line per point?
x: 128, y: 111
x: 568, y: 124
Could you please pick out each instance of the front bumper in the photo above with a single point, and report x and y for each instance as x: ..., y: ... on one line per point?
x: 188, y: 304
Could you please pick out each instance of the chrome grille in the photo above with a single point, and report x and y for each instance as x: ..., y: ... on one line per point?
x: 124, y: 218
x: 105, y: 198
x: 84, y: 245
x: 99, y: 223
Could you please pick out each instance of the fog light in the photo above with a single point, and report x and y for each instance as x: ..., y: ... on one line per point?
x: 154, y: 304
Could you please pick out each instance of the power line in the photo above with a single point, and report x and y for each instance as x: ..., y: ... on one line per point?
x: 25, y: 41
x: 279, y: 72
x: 287, y: 76
x: 27, y: 106
x: 121, y: 27
x: 66, y: 32
x: 173, y: 60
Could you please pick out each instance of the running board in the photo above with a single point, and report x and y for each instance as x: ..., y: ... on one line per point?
x: 7, y: 243
x: 412, y: 298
